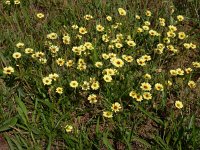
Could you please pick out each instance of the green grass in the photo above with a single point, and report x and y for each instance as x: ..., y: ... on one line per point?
x: 34, y: 116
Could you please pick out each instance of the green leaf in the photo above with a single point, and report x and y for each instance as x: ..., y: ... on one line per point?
x: 191, y: 124
x: 21, y: 114
x: 50, y: 105
x: 97, y: 126
x: 135, y: 138
x: 161, y: 142
x: 19, y: 147
x: 8, y: 139
x: 6, y: 125
x: 49, y: 143
x: 106, y: 142
x: 22, y: 110
x: 159, y: 121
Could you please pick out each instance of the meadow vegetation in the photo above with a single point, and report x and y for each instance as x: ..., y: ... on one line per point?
x: 91, y: 74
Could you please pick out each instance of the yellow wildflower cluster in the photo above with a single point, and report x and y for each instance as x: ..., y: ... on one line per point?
x: 99, y: 61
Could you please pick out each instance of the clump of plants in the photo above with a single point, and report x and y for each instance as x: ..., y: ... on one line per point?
x: 96, y: 82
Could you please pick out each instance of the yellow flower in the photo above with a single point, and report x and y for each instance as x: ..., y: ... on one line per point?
x: 179, y: 104
x: 68, y: 128
x: 141, y: 62
x: 107, y: 78
x: 17, y: 55
x: 8, y: 70
x: 181, y: 35
x: 88, y: 17
x: 66, y: 39
x: 85, y: 86
x: 105, y: 38
x: 159, y: 87
x: 52, y: 36
x: 122, y: 12
x: 82, y: 30
x: 161, y: 19
x: 40, y: 15
x: 54, y: 49
x: 117, y: 62
x: 107, y: 114
x: 171, y: 34
x: 131, y: 43
x: 137, y: 17
x: 180, y: 71
x: 191, y: 84
x: 171, y: 9
x: 74, y: 26
x: 193, y: 46
x: 172, y: 28
x: 33, y: 56
x: 148, y: 13
x: 139, y: 30
x: 145, y: 28
x: 170, y: 48
x: 147, y: 95
x: 81, y: 61
x: 196, y: 64
x: 60, y: 61
x: 128, y: 59
x: 53, y: 76
x: 81, y: 67
x: 109, y: 72
x: 112, y: 55
x: 78, y: 36
x: 92, y: 98
x: 173, y: 72
x: 17, y: 2
x: 166, y: 40
x: 99, y: 28
x: 28, y: 50
x: 133, y: 94
x: 180, y: 18
x: 39, y: 54
x: 118, y: 45
x: 186, y: 45
x: 153, y: 33
x: 20, y: 45
x: 116, y: 107
x: 73, y: 84
x: 109, y: 18
x: 111, y: 46
x: 146, y: 57
x: 169, y: 83
x: 145, y: 86
x: 162, y: 24
x: 147, y: 23
x: 88, y: 45
x: 59, y: 90
x: 69, y: 63
x: 188, y: 70
x: 98, y: 64
x: 7, y: 2
x: 95, y: 85
x: 47, y: 81
x: 43, y: 60
x: 147, y: 76
x: 124, y: 56
x: 138, y: 98
x: 158, y: 51
x: 160, y: 46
